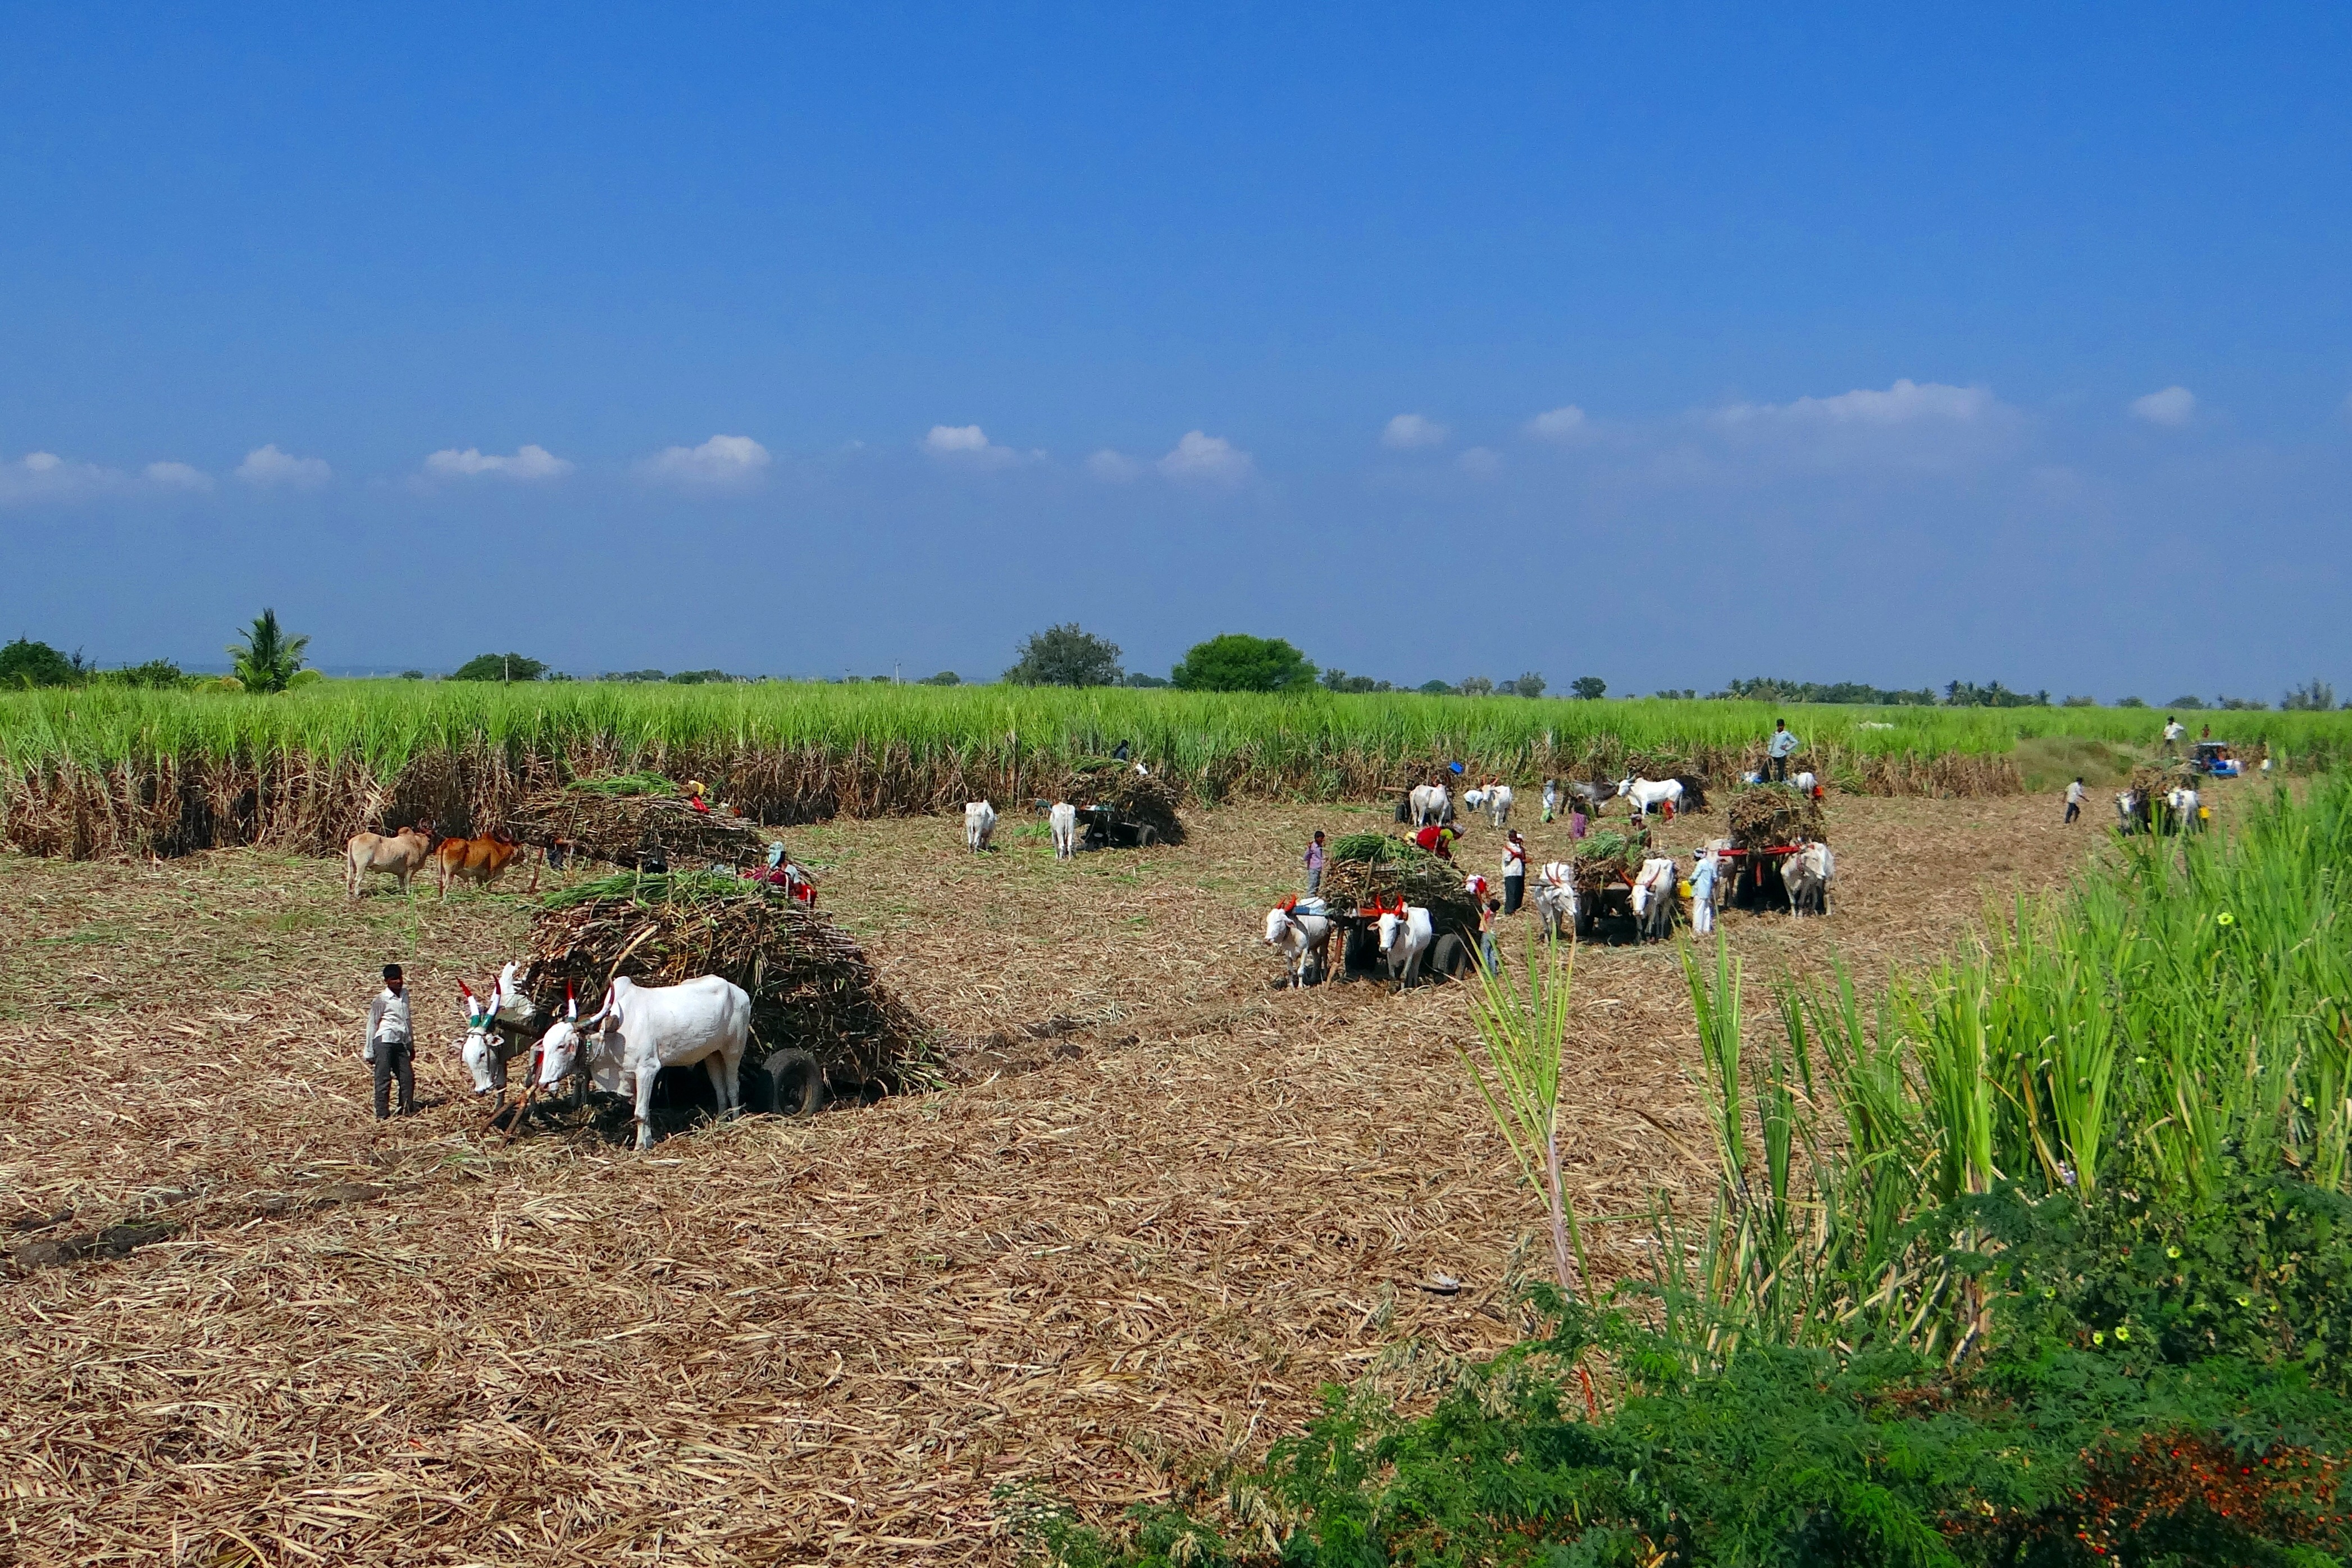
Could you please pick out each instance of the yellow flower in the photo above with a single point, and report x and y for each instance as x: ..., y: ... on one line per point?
x: 2226, y: 918
x: 2098, y: 1336
x: 2122, y: 1330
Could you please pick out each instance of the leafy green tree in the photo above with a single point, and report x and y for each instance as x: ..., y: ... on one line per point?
x: 499, y: 667
x: 703, y: 677
x: 1066, y: 655
x: 1475, y: 686
x: 160, y: 674
x: 1237, y: 662
x: 28, y: 663
x: 1529, y: 684
x: 944, y: 677
x: 2316, y: 698
x: 2131, y: 702
x: 1142, y: 681
x: 2192, y: 704
x: 1588, y: 688
x: 265, y: 657
x: 2080, y: 702
x: 1435, y: 688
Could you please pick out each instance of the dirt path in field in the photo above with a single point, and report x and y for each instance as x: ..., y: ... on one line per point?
x: 1121, y: 1246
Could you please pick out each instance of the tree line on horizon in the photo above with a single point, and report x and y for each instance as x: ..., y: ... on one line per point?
x: 266, y: 659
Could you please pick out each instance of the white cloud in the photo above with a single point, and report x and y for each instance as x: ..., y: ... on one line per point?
x: 723, y: 462
x: 268, y: 465
x: 45, y: 476
x: 1209, y: 459
x: 1412, y: 432
x: 1911, y: 424
x: 1482, y: 462
x: 179, y: 477
x: 1116, y: 466
x: 969, y: 443
x: 1906, y: 403
x: 527, y: 463
x: 1563, y: 424
x: 2172, y: 408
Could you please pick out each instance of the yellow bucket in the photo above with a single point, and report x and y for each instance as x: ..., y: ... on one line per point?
x: 1684, y: 887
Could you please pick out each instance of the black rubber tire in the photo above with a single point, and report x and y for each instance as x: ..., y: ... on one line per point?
x: 1146, y: 836
x: 796, y: 1082
x: 1449, y: 958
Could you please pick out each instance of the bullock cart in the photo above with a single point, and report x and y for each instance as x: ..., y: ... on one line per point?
x: 1370, y: 872
x: 823, y: 1025
x: 1122, y: 805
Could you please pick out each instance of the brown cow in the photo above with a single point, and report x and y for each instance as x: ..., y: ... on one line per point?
x: 480, y: 860
x: 400, y: 855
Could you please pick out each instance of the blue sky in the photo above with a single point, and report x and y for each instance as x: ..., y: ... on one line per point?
x: 1661, y: 345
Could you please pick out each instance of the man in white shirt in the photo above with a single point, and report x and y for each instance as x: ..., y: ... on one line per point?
x: 2074, y: 800
x: 2173, y: 730
x: 391, y: 1049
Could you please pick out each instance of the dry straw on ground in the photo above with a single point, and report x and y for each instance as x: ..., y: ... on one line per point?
x: 1166, y: 1203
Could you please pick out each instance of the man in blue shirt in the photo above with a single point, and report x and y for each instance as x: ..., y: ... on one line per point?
x: 1780, y: 747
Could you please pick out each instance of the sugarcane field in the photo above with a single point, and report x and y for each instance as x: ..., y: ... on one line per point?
x: 1107, y: 786
x: 1045, y: 1172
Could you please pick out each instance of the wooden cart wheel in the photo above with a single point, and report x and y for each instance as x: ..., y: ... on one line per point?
x: 799, y: 1082
x: 1146, y: 836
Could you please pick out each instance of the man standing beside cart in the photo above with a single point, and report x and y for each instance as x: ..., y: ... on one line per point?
x: 1780, y: 749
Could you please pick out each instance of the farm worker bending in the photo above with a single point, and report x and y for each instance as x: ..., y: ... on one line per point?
x: 1486, y: 913
x: 1514, y: 872
x: 1578, y: 823
x: 391, y: 1051
x: 1315, y: 864
x: 1781, y: 748
x: 1438, y: 839
x: 694, y: 793
x: 2075, y: 800
x: 1550, y: 798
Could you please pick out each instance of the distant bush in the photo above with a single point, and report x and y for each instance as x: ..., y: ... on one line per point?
x: 1768, y: 688
x: 1236, y: 662
x: 1588, y: 689
x: 25, y: 663
x: 499, y: 667
x: 306, y: 677
x: 1475, y: 685
x: 1529, y: 684
x: 2240, y: 705
x: 1138, y: 680
x: 634, y: 676
x: 944, y: 677
x: 157, y: 675
x: 1066, y: 655
x: 2188, y: 704
x: 708, y: 677
x: 2318, y: 697
x: 1337, y: 680
x: 2080, y: 702
x: 2131, y: 702
x: 412, y: 675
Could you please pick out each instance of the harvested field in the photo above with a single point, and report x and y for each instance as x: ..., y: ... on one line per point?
x: 1160, y: 1205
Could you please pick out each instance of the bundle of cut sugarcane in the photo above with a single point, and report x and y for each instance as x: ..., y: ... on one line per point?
x: 1146, y: 797
x: 810, y: 983
x: 637, y: 820
x: 1372, y: 869
x: 1607, y: 859
x: 1765, y: 817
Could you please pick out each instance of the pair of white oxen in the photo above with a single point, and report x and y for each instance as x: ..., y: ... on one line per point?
x: 1301, y: 933
x: 980, y: 826
x: 638, y: 1031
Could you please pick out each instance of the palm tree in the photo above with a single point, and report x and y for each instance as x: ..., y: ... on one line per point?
x: 265, y: 657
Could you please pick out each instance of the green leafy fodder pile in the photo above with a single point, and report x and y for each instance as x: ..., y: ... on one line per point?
x: 2044, y: 1259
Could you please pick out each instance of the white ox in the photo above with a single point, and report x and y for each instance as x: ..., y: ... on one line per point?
x: 1429, y: 803
x: 1807, y: 875
x: 1064, y: 818
x: 1647, y: 793
x: 978, y: 824
x: 1405, y: 939
x: 493, y: 1029
x: 1303, y: 940
x: 399, y: 855
x: 646, y: 1028
x: 1555, y: 899
x: 1654, y: 898
x: 1498, y: 804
